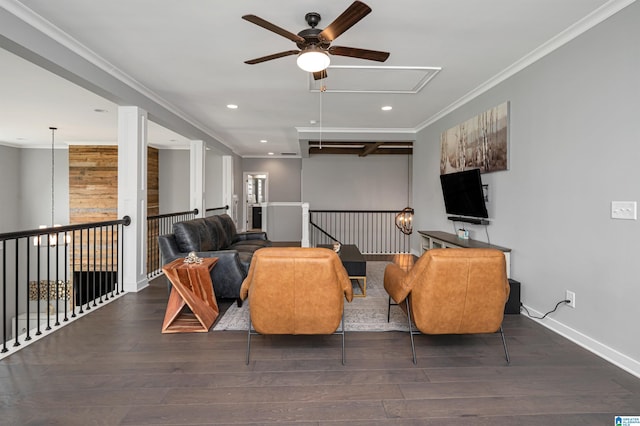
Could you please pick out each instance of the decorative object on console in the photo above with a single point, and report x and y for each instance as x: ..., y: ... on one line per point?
x: 480, y: 142
x: 463, y: 234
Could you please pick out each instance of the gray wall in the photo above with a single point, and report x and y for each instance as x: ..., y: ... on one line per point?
x: 9, y: 186
x: 25, y: 191
x: 213, y: 180
x: 173, y: 180
x: 284, y: 177
x: 342, y: 182
x: 34, y: 183
x: 574, y: 147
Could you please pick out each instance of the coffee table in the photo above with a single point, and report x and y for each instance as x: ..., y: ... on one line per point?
x: 354, y: 263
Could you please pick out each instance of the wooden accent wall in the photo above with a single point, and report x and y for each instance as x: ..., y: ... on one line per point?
x: 153, y: 182
x: 93, y: 183
x: 93, y: 193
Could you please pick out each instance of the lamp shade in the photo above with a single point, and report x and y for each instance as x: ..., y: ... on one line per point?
x: 313, y: 59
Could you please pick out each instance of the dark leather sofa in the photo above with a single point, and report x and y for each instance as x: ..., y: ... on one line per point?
x: 215, y: 236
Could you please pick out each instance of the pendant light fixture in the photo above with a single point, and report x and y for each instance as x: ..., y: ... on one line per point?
x: 53, y: 237
x: 404, y: 219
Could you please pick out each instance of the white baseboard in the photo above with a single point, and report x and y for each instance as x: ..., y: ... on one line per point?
x: 611, y: 355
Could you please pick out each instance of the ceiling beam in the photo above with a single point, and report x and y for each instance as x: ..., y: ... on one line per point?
x: 369, y: 149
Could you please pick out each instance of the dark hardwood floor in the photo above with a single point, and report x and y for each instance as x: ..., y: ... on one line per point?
x: 114, y: 367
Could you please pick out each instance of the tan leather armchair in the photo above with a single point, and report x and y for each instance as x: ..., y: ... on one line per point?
x: 452, y: 291
x: 294, y: 290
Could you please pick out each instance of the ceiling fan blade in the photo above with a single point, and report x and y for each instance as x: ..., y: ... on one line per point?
x: 320, y: 75
x: 342, y: 23
x: 274, y: 28
x: 372, y: 55
x: 270, y: 57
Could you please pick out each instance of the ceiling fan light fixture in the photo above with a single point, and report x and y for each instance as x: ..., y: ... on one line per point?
x: 313, y: 59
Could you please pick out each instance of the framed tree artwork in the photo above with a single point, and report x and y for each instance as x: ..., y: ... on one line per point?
x: 482, y: 142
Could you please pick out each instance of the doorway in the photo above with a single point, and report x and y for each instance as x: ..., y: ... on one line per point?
x: 256, y: 192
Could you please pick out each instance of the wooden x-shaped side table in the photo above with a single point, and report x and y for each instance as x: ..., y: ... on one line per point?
x: 191, y: 286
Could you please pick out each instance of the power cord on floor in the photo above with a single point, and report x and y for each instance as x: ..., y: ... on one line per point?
x: 543, y: 317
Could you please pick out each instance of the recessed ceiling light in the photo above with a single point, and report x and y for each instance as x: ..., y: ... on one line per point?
x: 100, y: 110
x: 313, y: 122
x: 263, y: 141
x: 232, y: 106
x: 269, y: 153
x: 387, y: 108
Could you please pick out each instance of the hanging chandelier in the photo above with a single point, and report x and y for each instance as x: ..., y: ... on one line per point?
x: 404, y: 219
x: 51, y: 240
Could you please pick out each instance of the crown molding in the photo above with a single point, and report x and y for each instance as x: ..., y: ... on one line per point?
x: 31, y: 18
x: 594, y: 18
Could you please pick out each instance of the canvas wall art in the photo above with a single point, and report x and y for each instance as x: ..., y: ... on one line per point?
x: 480, y: 142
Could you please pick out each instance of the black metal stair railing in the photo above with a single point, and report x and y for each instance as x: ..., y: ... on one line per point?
x: 51, y: 275
x: 211, y: 210
x: 373, y: 231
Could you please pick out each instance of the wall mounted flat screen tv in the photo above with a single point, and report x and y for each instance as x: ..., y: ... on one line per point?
x: 463, y: 195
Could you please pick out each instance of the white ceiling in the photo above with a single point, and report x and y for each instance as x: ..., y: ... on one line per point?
x: 191, y: 53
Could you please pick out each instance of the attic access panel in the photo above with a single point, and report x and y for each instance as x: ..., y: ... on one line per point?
x: 374, y: 79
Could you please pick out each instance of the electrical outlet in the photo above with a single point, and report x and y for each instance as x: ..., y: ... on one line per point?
x: 571, y: 297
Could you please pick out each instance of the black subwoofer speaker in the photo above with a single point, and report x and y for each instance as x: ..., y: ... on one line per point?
x: 513, y: 304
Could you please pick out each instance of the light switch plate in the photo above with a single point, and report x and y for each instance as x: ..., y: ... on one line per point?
x: 624, y: 210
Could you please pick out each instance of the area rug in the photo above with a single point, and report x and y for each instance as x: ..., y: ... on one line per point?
x: 362, y: 314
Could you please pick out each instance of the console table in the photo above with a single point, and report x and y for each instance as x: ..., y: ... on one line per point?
x: 439, y: 239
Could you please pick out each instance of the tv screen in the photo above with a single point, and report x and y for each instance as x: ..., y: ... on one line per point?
x: 463, y: 195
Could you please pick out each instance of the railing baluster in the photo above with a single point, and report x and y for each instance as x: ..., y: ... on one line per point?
x: 90, y: 276
x: 373, y: 231
x: 4, y: 297
x: 16, y: 342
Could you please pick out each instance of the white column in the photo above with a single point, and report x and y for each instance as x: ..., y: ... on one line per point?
x: 305, y: 225
x: 197, y: 162
x: 265, y: 217
x: 227, y: 184
x: 132, y: 194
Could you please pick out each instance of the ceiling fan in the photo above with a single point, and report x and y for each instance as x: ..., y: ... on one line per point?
x: 314, y: 44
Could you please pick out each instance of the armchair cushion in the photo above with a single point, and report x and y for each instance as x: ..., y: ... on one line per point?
x: 295, y: 290
x: 453, y: 291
